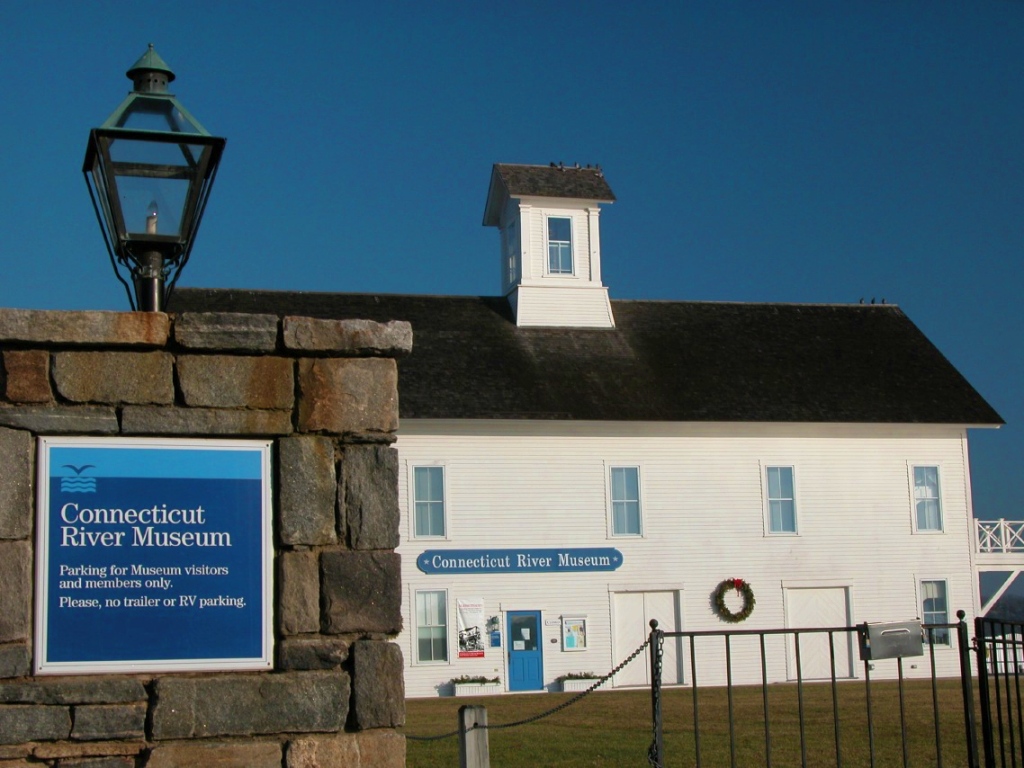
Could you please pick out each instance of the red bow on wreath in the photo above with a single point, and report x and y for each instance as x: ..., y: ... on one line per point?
x: 737, y: 583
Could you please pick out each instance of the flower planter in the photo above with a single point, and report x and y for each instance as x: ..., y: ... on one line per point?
x: 578, y: 684
x: 477, y: 689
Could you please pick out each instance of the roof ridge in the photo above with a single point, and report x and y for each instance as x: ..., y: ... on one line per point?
x: 497, y: 297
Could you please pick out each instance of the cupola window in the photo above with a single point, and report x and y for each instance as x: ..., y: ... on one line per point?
x: 559, y: 245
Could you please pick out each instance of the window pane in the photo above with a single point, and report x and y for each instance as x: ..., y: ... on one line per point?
x: 781, y: 500
x: 618, y: 483
x: 559, y: 245
x: 431, y: 626
x: 429, y: 483
x: 934, y: 608
x: 559, y: 229
x: 428, y: 500
x: 525, y: 631
x: 560, y: 258
x: 786, y: 482
x: 926, y: 480
x: 625, y: 482
x: 928, y: 515
x: 926, y: 496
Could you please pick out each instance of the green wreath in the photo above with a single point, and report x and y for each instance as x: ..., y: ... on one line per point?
x: 741, y: 586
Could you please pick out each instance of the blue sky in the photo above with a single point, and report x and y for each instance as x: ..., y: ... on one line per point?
x: 811, y: 151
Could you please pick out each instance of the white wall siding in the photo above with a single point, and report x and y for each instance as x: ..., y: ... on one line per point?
x: 568, y: 307
x: 544, y: 485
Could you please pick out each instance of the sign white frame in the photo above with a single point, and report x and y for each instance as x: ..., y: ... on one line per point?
x: 262, y: 661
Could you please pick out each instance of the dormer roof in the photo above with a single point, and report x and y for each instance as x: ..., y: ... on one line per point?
x: 557, y: 181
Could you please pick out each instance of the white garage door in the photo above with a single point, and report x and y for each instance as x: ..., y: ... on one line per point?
x: 819, y: 607
x: 632, y: 612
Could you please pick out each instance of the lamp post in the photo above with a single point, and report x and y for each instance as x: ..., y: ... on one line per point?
x: 149, y: 169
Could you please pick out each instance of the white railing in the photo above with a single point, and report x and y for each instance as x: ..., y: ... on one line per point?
x: 999, y: 536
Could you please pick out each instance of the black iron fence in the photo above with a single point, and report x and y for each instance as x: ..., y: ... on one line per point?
x: 811, y: 709
x: 1000, y: 656
x: 816, y: 711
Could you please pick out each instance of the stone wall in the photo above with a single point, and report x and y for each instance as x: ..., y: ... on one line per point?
x: 326, y: 393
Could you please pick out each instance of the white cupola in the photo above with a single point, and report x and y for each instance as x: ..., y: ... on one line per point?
x: 548, y: 216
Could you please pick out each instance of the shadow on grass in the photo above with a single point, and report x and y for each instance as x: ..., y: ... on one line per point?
x: 614, y: 728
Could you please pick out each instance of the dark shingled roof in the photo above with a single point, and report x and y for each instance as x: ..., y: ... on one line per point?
x: 664, y: 361
x: 555, y: 181
x: 509, y: 180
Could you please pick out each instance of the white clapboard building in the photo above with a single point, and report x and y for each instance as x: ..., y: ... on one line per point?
x: 573, y: 466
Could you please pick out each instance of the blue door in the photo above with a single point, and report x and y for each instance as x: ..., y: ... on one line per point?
x: 525, y: 652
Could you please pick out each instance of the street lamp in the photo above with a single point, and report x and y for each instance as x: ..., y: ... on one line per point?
x: 149, y: 169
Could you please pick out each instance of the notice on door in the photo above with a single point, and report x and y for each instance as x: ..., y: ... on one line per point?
x: 153, y: 555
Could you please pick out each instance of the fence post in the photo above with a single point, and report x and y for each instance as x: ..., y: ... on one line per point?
x: 655, y: 758
x: 981, y: 637
x: 963, y: 642
x: 474, y: 751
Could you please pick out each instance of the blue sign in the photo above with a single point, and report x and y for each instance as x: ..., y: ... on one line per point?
x: 153, y: 555
x: 569, y: 560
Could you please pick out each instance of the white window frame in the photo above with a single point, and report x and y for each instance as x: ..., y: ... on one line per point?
x: 416, y: 630
x: 547, y: 245
x: 911, y: 467
x: 939, y: 643
x: 767, y: 500
x: 445, y: 508
x: 610, y: 467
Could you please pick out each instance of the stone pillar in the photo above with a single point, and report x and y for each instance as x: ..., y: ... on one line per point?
x: 326, y: 393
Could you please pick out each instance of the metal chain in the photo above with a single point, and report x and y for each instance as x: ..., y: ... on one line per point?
x: 575, y: 698
x: 410, y: 737
x: 601, y: 681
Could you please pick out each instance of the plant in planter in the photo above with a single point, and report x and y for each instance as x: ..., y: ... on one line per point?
x: 577, y: 681
x: 475, y: 685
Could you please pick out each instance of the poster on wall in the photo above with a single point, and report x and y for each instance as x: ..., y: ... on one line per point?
x: 471, y: 627
x: 574, y: 634
x: 153, y: 555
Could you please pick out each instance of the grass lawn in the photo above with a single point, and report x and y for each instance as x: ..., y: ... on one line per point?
x: 613, y: 728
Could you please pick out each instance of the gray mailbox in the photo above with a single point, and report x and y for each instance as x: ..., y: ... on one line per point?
x: 890, y: 640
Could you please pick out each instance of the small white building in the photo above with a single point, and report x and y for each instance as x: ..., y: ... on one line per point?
x: 573, y: 467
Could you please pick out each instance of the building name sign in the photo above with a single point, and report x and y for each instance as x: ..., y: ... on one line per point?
x: 572, y: 560
x: 153, y: 555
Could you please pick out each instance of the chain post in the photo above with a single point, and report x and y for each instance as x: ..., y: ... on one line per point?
x: 656, y: 641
